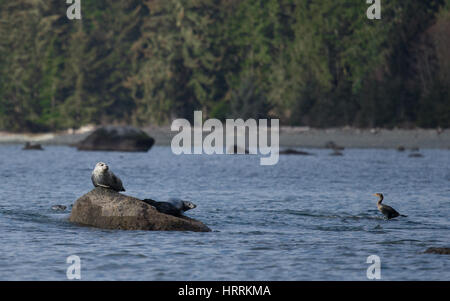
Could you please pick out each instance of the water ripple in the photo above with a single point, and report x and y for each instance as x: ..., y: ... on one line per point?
x: 313, y: 219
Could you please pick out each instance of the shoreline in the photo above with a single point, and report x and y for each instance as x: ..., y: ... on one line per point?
x: 295, y: 137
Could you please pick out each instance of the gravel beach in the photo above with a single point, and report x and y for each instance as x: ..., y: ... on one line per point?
x: 301, y: 137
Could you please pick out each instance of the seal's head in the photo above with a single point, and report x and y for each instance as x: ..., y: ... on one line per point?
x: 188, y: 206
x: 101, y: 167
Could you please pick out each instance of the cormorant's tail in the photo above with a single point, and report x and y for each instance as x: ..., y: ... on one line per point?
x: 403, y: 215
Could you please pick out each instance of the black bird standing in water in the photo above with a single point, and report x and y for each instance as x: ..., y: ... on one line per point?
x: 388, y: 211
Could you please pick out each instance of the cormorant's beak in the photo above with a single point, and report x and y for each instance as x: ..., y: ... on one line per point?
x: 375, y: 194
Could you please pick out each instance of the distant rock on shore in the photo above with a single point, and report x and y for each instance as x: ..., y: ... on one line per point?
x: 290, y: 137
x: 334, y: 146
x: 117, y: 138
x: 32, y: 146
x: 107, y: 209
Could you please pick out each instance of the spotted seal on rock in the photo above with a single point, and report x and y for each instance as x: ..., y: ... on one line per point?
x: 173, y: 207
x: 103, y: 177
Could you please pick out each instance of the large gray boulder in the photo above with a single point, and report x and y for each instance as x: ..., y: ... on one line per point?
x: 107, y: 209
x: 117, y: 138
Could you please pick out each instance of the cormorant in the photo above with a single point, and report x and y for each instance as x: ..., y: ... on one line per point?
x: 388, y: 211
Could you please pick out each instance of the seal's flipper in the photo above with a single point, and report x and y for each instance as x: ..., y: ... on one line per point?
x: 149, y: 201
x: 104, y: 186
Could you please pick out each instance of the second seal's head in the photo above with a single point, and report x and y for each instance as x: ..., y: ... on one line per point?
x: 188, y: 205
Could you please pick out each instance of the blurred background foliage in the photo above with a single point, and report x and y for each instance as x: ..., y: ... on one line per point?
x: 314, y: 63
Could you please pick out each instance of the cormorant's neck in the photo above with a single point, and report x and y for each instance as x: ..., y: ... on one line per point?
x: 380, y: 200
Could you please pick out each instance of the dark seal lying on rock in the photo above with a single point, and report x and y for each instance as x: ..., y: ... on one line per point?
x: 108, y: 209
x: 173, y: 207
x: 117, y: 138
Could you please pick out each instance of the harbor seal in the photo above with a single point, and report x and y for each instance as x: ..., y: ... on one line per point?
x: 59, y: 207
x: 173, y: 207
x: 103, y: 177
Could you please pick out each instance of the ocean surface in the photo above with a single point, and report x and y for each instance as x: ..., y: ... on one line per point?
x: 306, y: 218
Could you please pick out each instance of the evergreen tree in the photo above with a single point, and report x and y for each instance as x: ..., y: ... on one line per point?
x: 316, y: 63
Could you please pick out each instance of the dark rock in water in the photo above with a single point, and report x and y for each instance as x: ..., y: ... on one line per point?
x: 442, y: 251
x: 336, y: 153
x: 30, y: 146
x: 415, y: 155
x: 290, y: 151
x: 117, y: 138
x: 107, y: 209
x: 237, y: 150
x: 332, y: 145
x: 59, y: 207
x: 401, y: 148
x: 415, y: 149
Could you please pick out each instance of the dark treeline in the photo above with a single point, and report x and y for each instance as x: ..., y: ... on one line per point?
x: 316, y: 63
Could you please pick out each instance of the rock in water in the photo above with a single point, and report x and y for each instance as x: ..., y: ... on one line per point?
x: 415, y: 155
x: 117, y: 138
x: 107, y: 209
x: 442, y: 251
x: 238, y: 151
x: 332, y: 145
x: 30, y: 146
x: 290, y: 151
x: 336, y: 153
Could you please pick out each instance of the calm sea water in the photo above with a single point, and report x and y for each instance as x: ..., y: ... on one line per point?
x: 306, y: 218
